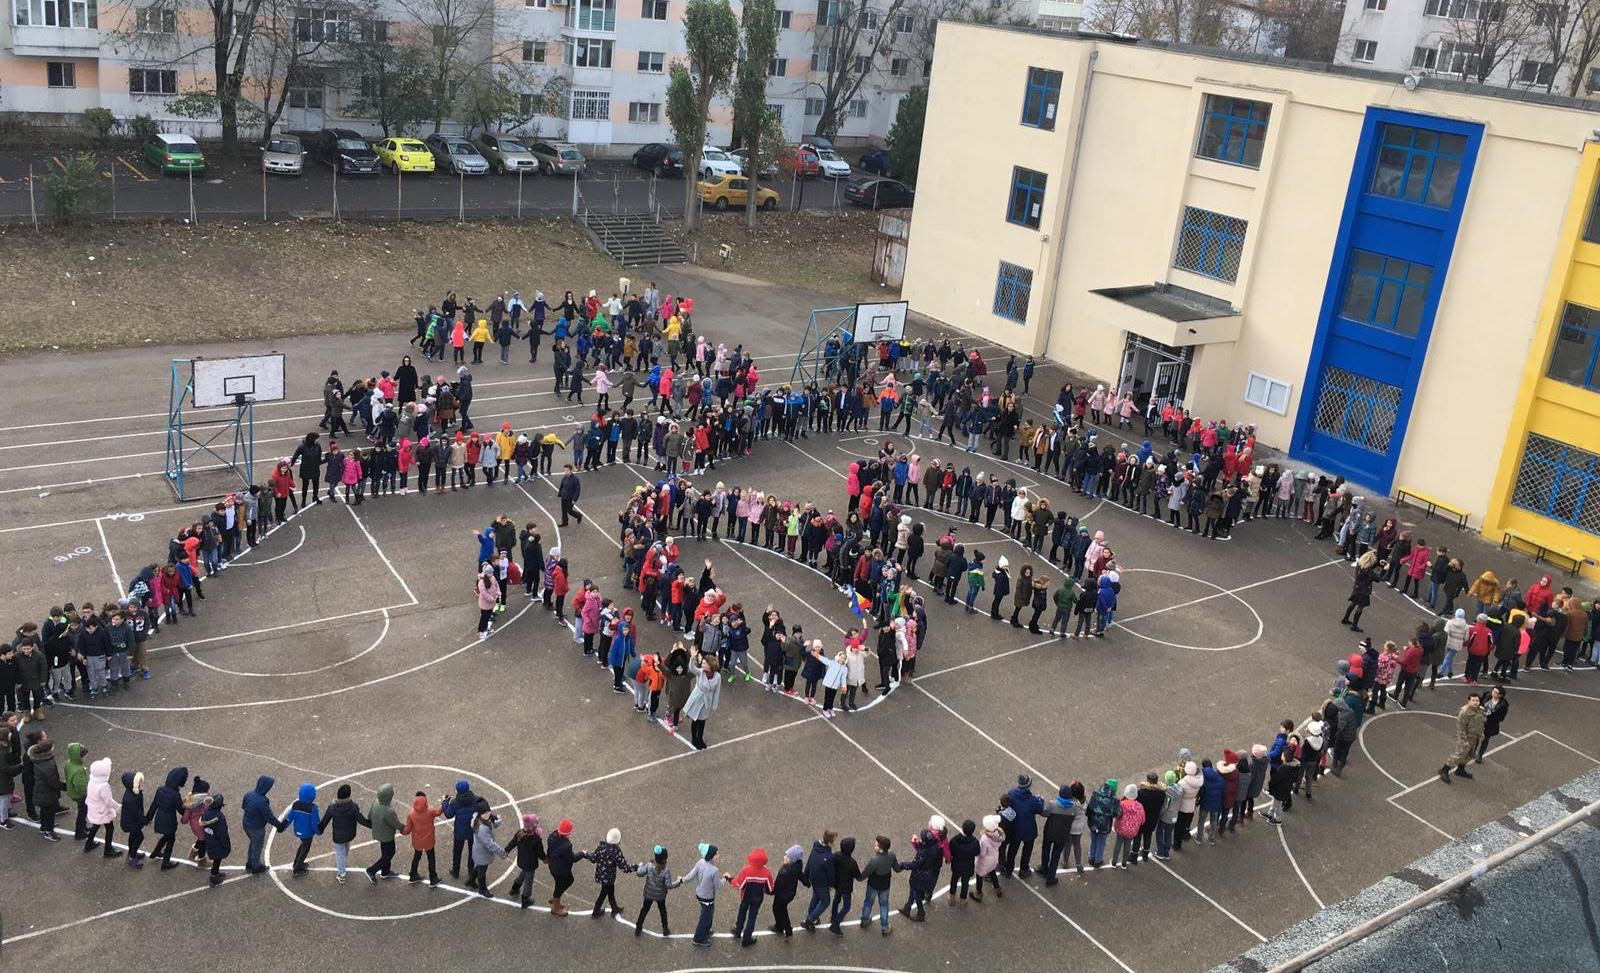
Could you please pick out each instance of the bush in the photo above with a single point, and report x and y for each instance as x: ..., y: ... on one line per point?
x: 75, y: 187
x: 100, y: 121
x: 142, y: 128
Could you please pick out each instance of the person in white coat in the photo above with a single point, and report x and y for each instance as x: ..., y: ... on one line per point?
x: 703, y: 700
x: 102, y: 806
x: 855, y: 662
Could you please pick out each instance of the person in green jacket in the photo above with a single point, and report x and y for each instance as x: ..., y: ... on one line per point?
x: 384, y: 824
x: 1066, y: 594
x: 77, y: 777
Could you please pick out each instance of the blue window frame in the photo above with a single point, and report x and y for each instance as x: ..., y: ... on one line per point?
x: 1573, y: 359
x: 1386, y: 292
x: 1012, y: 288
x: 1560, y: 482
x: 1233, y: 130
x: 1418, y: 165
x: 1040, y: 98
x: 1210, y: 244
x: 1357, y: 409
x: 1027, y: 197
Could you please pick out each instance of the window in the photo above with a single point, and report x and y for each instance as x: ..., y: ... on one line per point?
x: 152, y: 81
x: 1418, y: 165
x: 315, y: 25
x: 827, y: 13
x: 1573, y: 358
x: 529, y: 105
x: 1459, y: 59
x: 593, y: 14
x: 1365, y: 51
x: 591, y: 105
x: 899, y: 67
x: 541, y: 4
x: 651, y: 62
x: 822, y: 59
x: 1210, y: 244
x: 1267, y: 393
x: 1488, y: 11
x: 1536, y: 72
x: 783, y: 19
x: 779, y: 67
x: 927, y: 69
x: 56, y: 13
x: 1027, y: 197
x: 1233, y: 130
x: 306, y: 94
x: 374, y: 31
x: 61, y: 74
x: 149, y: 20
x: 858, y: 108
x: 1386, y: 292
x: 868, y: 19
x: 1011, y: 290
x: 1357, y: 410
x: 905, y: 23
x: 777, y: 111
x: 863, y: 64
x: 1040, y: 97
x: 813, y: 107
x: 445, y: 37
x: 589, y: 52
x: 644, y: 112
x: 533, y: 52
x: 1425, y: 58
x: 654, y: 10
x: 1560, y: 482
x: 1375, y: 4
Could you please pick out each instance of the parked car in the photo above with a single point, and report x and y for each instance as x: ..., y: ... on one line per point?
x: 507, y: 154
x: 726, y: 191
x: 876, y: 161
x: 714, y: 162
x: 769, y: 170
x: 404, y: 155
x: 820, y: 142
x: 558, y: 158
x: 879, y: 193
x: 832, y: 163
x: 171, y: 152
x: 283, y: 154
x: 455, y: 155
x: 663, y: 160
x: 344, y: 150
x: 801, y: 161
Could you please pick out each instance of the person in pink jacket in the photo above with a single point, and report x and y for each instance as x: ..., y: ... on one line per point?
x: 602, y: 387
x: 852, y: 486
x: 1127, y: 827
x: 1417, y: 565
x: 589, y: 617
x: 103, y: 807
x: 404, y: 457
x: 350, y: 476
x: 988, y: 864
x: 487, y: 588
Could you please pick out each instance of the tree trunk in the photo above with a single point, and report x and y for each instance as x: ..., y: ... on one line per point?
x: 753, y: 190
x: 691, y: 173
x: 227, y: 105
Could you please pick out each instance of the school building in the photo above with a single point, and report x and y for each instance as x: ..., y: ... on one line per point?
x: 1396, y: 280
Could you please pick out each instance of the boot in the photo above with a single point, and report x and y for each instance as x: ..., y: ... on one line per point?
x: 111, y: 852
x: 1444, y: 773
x: 1461, y: 771
x: 557, y: 908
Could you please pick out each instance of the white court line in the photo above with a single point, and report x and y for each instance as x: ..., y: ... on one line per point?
x: 105, y: 545
x: 302, y: 672
x: 1559, y: 744
x: 1303, y: 880
x: 988, y: 658
x: 117, y: 911
x: 276, y: 557
x: 1423, y: 821
x: 113, y: 517
x: 212, y: 746
x: 387, y: 563
x: 975, y: 728
x: 1237, y: 921
x: 276, y: 628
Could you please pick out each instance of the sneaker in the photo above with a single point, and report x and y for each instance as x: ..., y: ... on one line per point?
x: 339, y: 879
x: 371, y: 877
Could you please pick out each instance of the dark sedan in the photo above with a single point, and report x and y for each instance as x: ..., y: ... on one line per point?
x: 879, y: 193
x: 346, y: 151
x: 876, y: 161
x: 663, y: 160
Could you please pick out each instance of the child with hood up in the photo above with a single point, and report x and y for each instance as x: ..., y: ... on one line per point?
x: 218, y: 843
x: 608, y: 861
x: 927, y: 858
x: 102, y: 806
x: 385, y: 824
x: 846, y: 871
x: 784, y: 888
x: 420, y: 826
x: 76, y: 774
x: 304, y: 817
x: 1104, y: 811
x: 658, y: 881
x: 754, y: 882
x: 165, y: 806
x: 1127, y: 827
x: 528, y: 843
x: 132, y: 818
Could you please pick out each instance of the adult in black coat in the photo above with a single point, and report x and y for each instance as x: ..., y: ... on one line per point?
x: 405, y: 379
x: 165, y: 806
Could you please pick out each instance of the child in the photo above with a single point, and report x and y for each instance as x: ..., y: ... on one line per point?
x: 608, y: 860
x: 385, y: 823
x: 753, y: 883
x: 165, y: 807
x: 784, y: 887
x: 927, y: 857
x: 102, y: 806
x: 343, y: 814
x: 194, y: 816
x: 303, y: 816
x: 218, y: 844
x: 1388, y: 662
x: 1169, y: 815
x: 132, y: 817
x: 419, y: 825
x: 964, y: 850
x: 1285, y: 774
x: 76, y: 775
x: 1127, y: 827
x: 485, y: 849
x: 528, y: 843
x: 561, y: 856
x: 657, y: 883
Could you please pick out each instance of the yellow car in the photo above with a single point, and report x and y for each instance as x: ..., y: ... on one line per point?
x: 725, y: 191
x: 406, y: 155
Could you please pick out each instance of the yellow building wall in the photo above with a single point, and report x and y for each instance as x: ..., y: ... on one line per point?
x: 1544, y: 406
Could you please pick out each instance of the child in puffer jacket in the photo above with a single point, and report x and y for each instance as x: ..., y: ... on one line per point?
x: 608, y: 860
x: 658, y: 881
x: 1127, y: 827
x: 988, y: 864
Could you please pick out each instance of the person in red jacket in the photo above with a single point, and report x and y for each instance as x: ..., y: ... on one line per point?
x: 282, y: 489
x: 754, y: 883
x: 1479, y: 641
x: 419, y: 825
x: 1410, y: 673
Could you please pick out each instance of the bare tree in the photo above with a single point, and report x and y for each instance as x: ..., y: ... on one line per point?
x: 289, y: 53
x: 928, y: 15
x: 462, y: 33
x: 1303, y: 30
x: 1567, y: 32
x: 1483, y: 34
x: 851, y: 34
x: 1205, y: 23
x: 1585, y: 47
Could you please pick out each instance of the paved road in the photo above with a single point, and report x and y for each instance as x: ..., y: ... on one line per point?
x: 140, y: 191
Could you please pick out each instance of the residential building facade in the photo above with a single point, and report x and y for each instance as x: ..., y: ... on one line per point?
x: 590, y: 71
x: 1359, y: 270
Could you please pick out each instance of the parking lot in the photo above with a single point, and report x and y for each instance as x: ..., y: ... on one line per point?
x: 136, y: 189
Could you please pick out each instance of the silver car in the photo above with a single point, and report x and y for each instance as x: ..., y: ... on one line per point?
x: 558, y: 158
x: 507, y: 154
x: 456, y: 155
x: 283, y: 154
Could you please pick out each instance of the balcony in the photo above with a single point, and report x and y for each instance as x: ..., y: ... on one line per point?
x: 55, y: 42
x: 1061, y: 9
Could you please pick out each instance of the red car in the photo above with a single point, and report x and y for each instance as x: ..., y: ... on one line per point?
x: 801, y: 162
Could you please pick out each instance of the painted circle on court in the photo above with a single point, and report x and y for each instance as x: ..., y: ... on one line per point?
x: 277, y: 876
x: 1219, y: 592
x: 387, y: 621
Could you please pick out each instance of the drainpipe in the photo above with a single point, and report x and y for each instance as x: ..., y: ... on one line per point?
x: 1049, y: 310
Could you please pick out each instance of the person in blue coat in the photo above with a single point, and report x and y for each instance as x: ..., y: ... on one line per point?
x: 486, y: 546
x: 1211, y: 791
x: 820, y: 876
x: 623, y: 648
x: 257, y: 815
x: 1027, y: 805
x: 165, y: 806
x: 304, y: 817
x: 218, y: 843
x: 1105, y: 603
x: 460, y: 809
